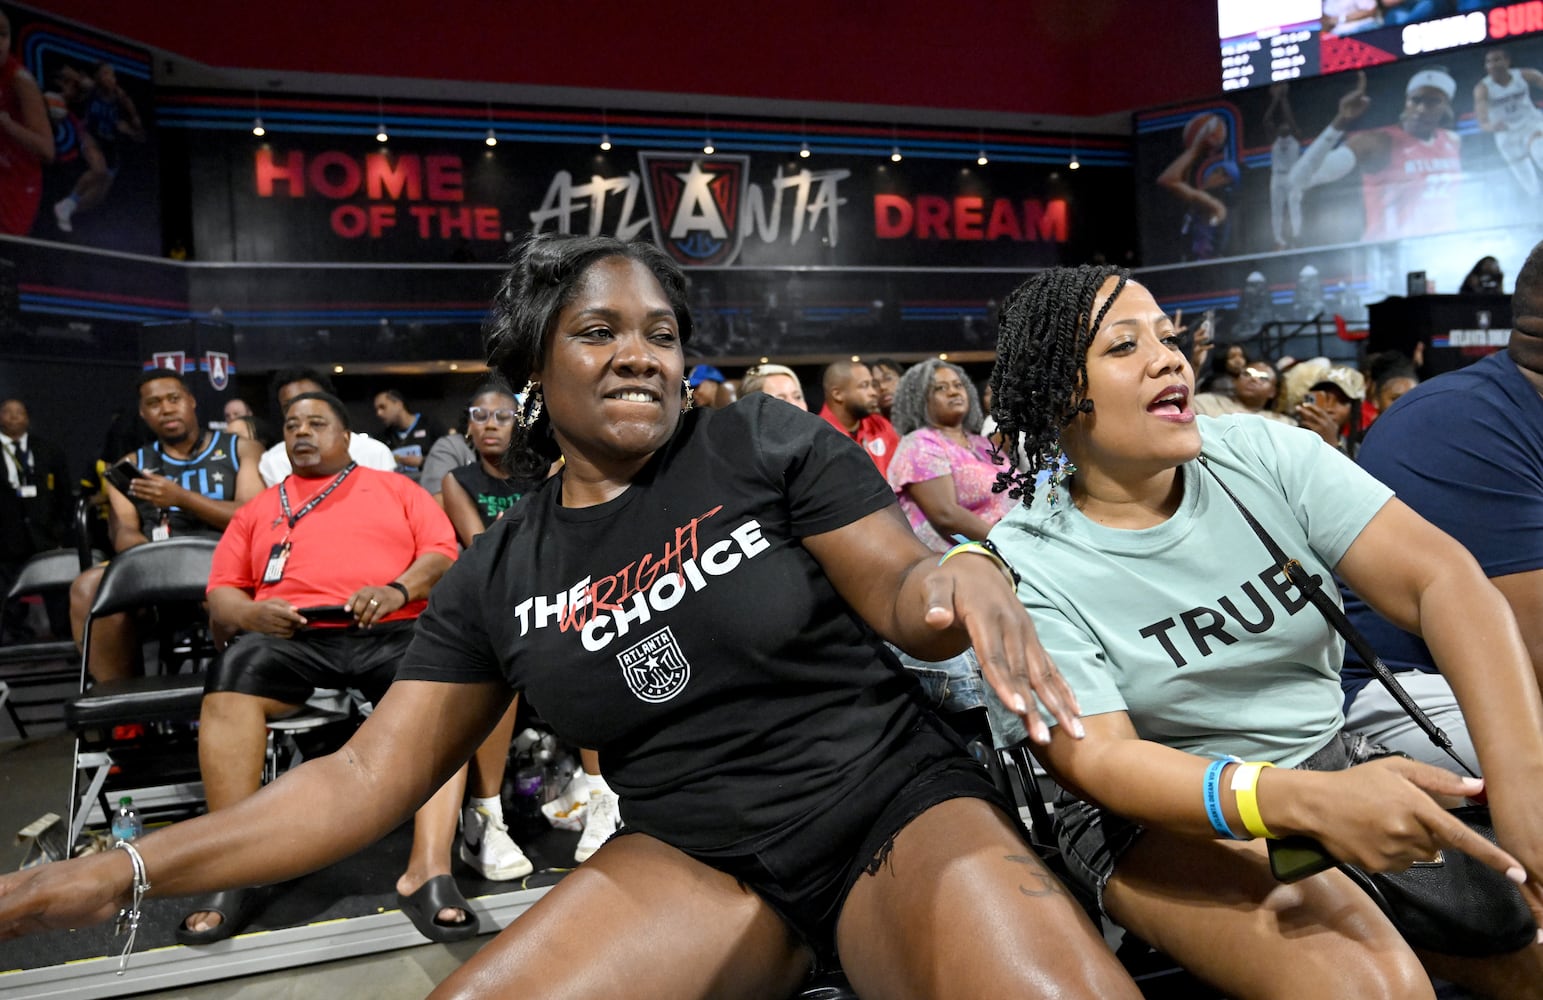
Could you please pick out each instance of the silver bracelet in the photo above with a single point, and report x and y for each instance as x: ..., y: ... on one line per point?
x: 128, y: 917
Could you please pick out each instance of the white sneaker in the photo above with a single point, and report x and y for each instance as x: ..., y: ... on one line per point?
x: 487, y: 846
x: 602, y: 821
x: 63, y: 209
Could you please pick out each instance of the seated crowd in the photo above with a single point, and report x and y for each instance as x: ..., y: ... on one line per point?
x: 1090, y: 483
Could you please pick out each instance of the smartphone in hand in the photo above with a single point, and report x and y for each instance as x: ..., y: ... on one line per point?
x: 121, y: 473
x: 328, y: 614
x: 1295, y: 858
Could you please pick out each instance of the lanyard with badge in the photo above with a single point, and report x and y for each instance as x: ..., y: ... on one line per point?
x: 279, y: 554
x: 22, y: 460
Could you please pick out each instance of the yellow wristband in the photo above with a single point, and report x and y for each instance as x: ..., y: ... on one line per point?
x: 986, y: 549
x: 1245, y: 785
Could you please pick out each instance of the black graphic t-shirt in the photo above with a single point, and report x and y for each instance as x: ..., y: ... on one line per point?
x: 491, y: 496
x: 683, y: 630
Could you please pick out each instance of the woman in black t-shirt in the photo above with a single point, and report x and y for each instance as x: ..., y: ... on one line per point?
x: 703, y: 598
x: 477, y: 493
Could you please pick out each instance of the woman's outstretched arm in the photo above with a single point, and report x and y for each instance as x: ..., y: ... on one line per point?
x: 322, y: 811
x: 933, y: 611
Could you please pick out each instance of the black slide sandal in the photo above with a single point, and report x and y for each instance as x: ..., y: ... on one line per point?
x: 439, y: 893
x: 236, y: 908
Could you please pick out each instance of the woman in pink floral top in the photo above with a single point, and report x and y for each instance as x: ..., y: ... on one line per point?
x: 943, y: 470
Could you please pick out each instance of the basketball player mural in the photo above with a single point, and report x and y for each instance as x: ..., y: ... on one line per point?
x: 1410, y: 172
x: 1502, y: 102
x: 1205, y: 178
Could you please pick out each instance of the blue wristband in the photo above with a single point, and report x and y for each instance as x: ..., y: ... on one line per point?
x: 1213, y: 799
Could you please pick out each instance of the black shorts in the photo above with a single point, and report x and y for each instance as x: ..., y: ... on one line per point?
x: 290, y: 670
x: 806, y: 872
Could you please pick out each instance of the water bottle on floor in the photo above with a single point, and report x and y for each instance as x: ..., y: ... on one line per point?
x: 126, y: 822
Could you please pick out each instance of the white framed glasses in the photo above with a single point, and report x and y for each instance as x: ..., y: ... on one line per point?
x: 483, y: 415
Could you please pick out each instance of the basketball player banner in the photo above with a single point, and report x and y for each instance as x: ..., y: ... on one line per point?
x: 101, y: 188
x: 1447, y: 143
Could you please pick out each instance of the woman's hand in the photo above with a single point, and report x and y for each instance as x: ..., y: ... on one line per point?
x: 64, y: 894
x: 1382, y: 816
x: 972, y: 591
x: 932, y: 611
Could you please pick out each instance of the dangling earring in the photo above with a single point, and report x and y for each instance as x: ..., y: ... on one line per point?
x: 1062, y: 468
x: 690, y: 395
x: 530, y: 406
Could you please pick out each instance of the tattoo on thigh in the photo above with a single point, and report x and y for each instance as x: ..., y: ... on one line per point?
x: 1043, y: 883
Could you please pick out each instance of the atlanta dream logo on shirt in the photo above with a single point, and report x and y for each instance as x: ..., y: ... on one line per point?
x: 604, y: 610
x: 655, y: 669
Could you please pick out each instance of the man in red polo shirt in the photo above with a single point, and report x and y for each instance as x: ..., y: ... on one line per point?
x: 852, y: 406
x: 323, y: 576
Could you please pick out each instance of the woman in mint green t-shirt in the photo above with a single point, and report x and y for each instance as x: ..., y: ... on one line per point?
x: 1185, y: 646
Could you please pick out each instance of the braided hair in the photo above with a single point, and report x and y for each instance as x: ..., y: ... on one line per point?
x: 910, y: 409
x: 1043, y: 332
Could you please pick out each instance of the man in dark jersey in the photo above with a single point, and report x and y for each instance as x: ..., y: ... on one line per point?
x: 409, y: 435
x: 189, y: 482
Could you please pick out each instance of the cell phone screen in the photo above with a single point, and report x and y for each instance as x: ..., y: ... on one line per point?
x: 1295, y: 858
x: 329, y: 614
x: 121, y: 473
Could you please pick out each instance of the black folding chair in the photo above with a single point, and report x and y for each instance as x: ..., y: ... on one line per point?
x: 85, y: 517
x: 24, y: 664
x: 169, y: 577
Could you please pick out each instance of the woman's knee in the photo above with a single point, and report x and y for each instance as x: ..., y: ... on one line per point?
x: 1215, y: 909
x: 965, y: 908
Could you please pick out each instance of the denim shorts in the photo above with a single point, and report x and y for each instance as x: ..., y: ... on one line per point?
x: 952, y: 685
x: 1093, y: 840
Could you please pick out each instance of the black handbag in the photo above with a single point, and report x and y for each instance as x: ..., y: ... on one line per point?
x: 1453, y: 904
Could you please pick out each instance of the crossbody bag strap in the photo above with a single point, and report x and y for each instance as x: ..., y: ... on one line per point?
x: 1297, y: 574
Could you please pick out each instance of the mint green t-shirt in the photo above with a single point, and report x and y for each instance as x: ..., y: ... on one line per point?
x: 1188, y: 626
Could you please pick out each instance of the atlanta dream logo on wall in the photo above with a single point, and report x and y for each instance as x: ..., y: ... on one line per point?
x: 695, y: 205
